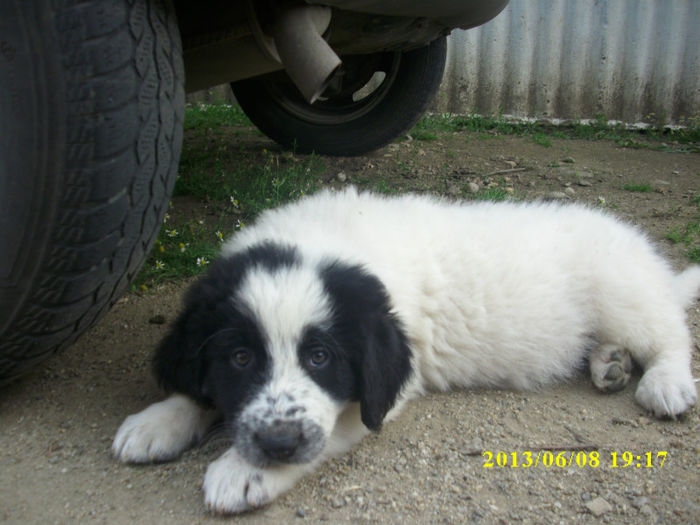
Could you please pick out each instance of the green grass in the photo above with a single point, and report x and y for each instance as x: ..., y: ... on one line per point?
x: 688, y: 235
x: 202, y: 116
x: 183, y: 249
x: 683, y: 140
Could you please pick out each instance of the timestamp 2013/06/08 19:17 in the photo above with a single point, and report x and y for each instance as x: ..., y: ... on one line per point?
x: 573, y: 458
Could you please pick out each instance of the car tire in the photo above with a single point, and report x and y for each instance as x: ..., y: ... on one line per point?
x: 356, y: 115
x: 92, y: 98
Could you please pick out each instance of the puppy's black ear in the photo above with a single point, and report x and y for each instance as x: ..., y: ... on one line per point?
x: 176, y: 363
x: 372, y: 335
x: 385, y: 367
x: 180, y: 362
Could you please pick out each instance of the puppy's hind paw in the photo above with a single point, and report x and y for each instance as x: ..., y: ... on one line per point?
x: 666, y: 392
x: 611, y: 367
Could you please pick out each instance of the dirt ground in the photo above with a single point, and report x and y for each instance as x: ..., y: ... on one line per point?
x: 428, y: 466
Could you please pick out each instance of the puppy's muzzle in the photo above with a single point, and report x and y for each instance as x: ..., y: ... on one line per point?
x: 280, y: 441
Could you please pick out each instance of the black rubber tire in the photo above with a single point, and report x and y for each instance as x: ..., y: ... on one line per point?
x: 328, y: 127
x: 92, y: 98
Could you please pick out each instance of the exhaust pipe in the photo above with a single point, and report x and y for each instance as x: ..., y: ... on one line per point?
x: 308, y: 59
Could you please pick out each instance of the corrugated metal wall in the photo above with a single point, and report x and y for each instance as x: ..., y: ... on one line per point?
x: 629, y: 60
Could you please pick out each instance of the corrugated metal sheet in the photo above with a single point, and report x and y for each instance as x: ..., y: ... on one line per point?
x: 628, y: 60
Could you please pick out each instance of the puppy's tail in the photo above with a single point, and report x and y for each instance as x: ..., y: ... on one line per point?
x: 687, y: 285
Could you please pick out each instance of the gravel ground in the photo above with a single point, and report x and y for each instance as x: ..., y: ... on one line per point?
x: 429, y: 465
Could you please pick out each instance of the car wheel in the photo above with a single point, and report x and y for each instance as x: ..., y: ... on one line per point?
x: 373, y: 100
x: 92, y: 102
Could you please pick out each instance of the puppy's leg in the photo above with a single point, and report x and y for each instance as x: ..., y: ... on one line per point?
x: 654, y: 332
x: 231, y: 484
x: 667, y: 387
x: 162, y: 431
x: 611, y: 367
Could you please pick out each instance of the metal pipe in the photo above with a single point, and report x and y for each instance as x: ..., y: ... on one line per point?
x: 308, y: 59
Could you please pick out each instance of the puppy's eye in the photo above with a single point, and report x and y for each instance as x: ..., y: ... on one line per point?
x: 241, y: 358
x: 318, y: 358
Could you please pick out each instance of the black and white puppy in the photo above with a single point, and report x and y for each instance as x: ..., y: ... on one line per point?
x: 317, y: 323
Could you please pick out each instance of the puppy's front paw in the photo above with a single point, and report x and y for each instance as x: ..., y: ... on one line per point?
x: 160, y: 432
x: 666, y: 392
x: 232, y: 485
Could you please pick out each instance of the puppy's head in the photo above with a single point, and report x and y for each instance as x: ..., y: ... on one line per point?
x: 282, y: 346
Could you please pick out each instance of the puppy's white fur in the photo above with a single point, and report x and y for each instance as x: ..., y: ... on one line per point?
x: 502, y: 295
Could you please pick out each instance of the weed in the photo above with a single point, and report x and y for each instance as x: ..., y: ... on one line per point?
x: 494, y: 194
x: 688, y: 235
x: 541, y: 139
x: 206, y: 116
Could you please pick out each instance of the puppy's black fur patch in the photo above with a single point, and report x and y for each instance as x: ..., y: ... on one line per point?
x: 372, y: 337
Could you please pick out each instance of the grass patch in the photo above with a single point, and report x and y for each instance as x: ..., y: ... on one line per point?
x: 490, y: 194
x: 541, y: 139
x: 682, y: 140
x: 203, y: 116
x: 688, y: 235
x: 183, y: 249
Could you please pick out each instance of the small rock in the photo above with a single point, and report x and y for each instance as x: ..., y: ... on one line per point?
x: 598, y: 506
x: 568, y: 160
x: 300, y: 513
x: 511, y: 163
x: 556, y: 195
x: 584, y: 182
x: 472, y: 187
x: 639, y: 501
x: 646, y: 510
x: 337, y: 503
x: 454, y: 190
x: 570, y: 191
x: 341, y: 177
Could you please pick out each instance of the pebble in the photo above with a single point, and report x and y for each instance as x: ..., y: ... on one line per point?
x: 300, y: 513
x: 473, y: 187
x: 639, y: 501
x: 341, y: 176
x: 568, y: 160
x: 570, y: 191
x: 556, y: 195
x: 598, y: 506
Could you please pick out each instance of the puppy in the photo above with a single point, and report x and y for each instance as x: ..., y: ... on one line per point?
x: 320, y: 321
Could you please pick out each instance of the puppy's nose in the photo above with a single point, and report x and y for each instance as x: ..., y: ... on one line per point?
x: 279, y: 442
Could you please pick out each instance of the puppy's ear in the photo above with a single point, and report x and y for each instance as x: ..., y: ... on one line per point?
x: 385, y: 367
x: 177, y: 364
x: 180, y: 363
x: 363, y: 322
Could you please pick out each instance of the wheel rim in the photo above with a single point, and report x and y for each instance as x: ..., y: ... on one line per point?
x: 356, y: 90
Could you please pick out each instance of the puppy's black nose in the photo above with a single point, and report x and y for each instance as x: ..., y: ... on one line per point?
x: 279, y: 442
